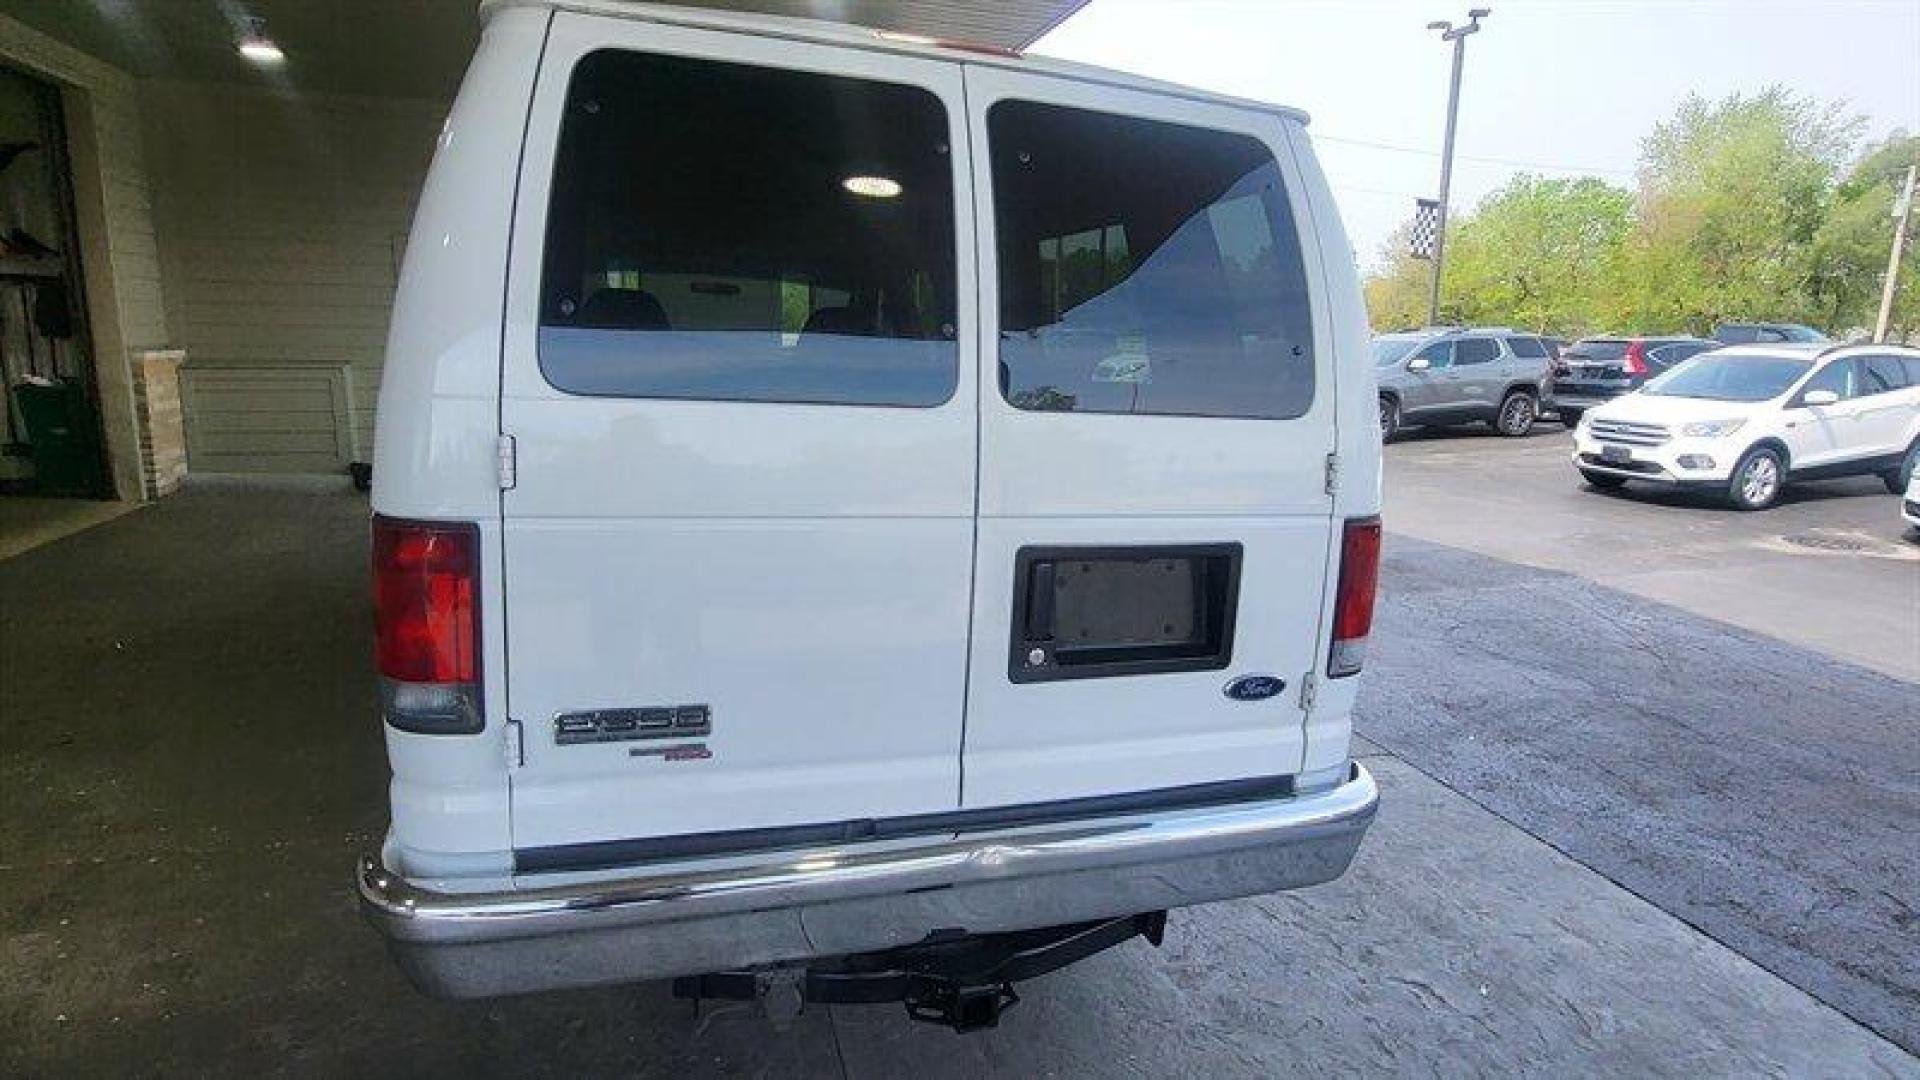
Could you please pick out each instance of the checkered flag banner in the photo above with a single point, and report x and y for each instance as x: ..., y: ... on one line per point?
x: 1426, y: 221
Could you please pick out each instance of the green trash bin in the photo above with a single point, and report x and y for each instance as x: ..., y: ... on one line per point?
x: 62, y: 437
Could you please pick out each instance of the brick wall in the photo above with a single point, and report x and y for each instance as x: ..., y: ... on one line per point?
x: 163, y: 439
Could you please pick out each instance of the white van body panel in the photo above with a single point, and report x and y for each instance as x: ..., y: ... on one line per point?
x: 1354, y: 388
x: 787, y: 28
x: 801, y: 569
x: 833, y: 581
x: 1049, y: 478
x: 437, y: 430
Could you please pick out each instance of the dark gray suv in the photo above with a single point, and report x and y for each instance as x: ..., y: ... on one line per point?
x: 1459, y: 376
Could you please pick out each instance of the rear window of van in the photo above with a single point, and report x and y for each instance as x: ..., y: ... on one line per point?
x: 725, y: 232
x: 1145, y: 267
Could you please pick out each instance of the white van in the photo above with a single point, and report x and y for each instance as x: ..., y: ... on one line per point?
x: 849, y: 505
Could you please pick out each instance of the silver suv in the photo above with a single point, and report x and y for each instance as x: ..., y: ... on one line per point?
x: 1459, y: 376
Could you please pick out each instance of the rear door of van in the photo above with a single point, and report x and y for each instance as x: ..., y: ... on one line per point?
x: 738, y: 381
x: 1156, y: 417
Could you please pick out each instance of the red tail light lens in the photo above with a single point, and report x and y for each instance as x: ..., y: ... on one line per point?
x: 1635, y: 360
x: 427, y: 623
x: 1353, y: 604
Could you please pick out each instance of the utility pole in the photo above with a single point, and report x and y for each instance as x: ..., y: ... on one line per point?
x: 1457, y: 35
x: 1903, y: 213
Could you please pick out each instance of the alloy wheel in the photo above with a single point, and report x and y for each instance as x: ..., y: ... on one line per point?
x: 1516, y: 418
x: 1760, y: 481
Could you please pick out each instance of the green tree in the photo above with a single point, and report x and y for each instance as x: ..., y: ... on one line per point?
x: 1539, y: 253
x: 1850, y: 249
x: 1732, y: 194
x: 1397, y: 294
x: 1741, y: 213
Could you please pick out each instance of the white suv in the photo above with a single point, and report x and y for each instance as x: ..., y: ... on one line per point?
x: 1747, y: 420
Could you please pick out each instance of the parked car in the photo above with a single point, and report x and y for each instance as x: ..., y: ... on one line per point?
x: 1458, y: 376
x: 1594, y: 371
x: 713, y: 510
x: 1747, y: 420
x: 1764, y: 333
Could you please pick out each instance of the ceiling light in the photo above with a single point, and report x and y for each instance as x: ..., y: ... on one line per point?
x: 256, y: 46
x: 872, y: 187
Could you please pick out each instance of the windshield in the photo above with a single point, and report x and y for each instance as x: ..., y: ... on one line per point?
x: 1388, y: 351
x: 1730, y: 378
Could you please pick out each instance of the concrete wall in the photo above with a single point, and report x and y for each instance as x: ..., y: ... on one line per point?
x: 281, y: 223
x: 126, y: 308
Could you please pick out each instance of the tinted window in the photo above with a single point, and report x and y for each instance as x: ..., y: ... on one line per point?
x: 1145, y: 267
x: 1912, y: 364
x: 1438, y: 355
x: 1596, y: 351
x: 1882, y: 374
x: 736, y: 233
x: 1839, y: 377
x: 1670, y: 355
x: 1528, y: 348
x: 1475, y: 351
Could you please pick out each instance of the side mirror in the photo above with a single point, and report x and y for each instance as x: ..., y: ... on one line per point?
x: 1419, y: 363
x: 1819, y: 397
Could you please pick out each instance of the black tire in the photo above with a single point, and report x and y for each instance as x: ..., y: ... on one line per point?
x: 1570, y: 417
x: 1518, y: 410
x: 1898, y: 477
x: 1389, y: 418
x: 1757, y: 479
x: 1603, y: 481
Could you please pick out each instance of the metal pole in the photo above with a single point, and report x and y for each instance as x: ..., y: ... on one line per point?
x: 1892, y: 287
x: 1446, y: 183
x: 1457, y: 35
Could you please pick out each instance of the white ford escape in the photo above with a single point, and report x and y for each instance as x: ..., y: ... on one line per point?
x: 861, y: 508
x: 1744, y: 421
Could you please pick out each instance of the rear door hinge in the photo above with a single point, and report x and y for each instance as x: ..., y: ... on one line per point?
x: 511, y: 747
x: 1309, y: 687
x: 509, y: 464
x: 1333, y: 473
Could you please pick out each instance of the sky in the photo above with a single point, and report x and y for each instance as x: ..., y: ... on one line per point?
x: 1560, y: 87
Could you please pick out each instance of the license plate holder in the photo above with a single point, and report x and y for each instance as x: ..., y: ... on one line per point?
x: 1616, y: 454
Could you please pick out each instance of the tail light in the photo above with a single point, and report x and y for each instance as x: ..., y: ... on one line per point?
x: 426, y: 593
x: 1635, y: 360
x: 1353, y: 604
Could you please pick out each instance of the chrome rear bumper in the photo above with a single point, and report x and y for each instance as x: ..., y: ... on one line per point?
x: 795, y: 906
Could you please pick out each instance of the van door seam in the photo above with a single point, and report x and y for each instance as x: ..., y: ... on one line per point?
x: 500, y: 396
x: 1310, y: 194
x: 979, y: 404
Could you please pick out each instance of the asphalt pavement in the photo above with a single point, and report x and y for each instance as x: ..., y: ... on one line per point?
x: 189, y: 761
x: 1831, y: 567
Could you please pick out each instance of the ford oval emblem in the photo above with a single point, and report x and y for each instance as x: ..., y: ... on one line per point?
x: 1255, y: 687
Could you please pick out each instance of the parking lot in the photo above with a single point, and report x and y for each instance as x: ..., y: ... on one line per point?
x: 1649, y: 784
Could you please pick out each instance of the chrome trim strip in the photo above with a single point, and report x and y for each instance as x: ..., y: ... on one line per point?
x: 417, y: 914
x: 1661, y: 477
x: 1629, y: 433
x: 831, y: 901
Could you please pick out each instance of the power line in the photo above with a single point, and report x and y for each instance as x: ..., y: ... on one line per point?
x: 1346, y: 190
x: 1509, y: 162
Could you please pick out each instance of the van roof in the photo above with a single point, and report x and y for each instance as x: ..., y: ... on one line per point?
x: 859, y: 37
